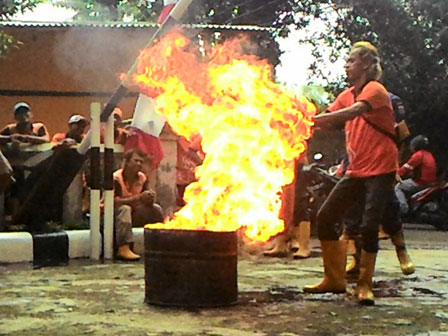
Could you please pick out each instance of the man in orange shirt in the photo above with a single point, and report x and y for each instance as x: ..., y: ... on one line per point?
x: 76, y: 131
x: 133, y: 202
x: 365, y: 108
x: 23, y: 132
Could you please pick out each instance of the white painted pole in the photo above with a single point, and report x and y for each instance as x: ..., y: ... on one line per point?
x: 108, y: 189
x: 95, y: 236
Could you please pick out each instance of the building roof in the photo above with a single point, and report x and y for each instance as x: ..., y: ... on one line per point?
x: 23, y: 24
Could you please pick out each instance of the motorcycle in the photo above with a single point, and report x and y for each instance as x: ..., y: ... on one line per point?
x: 319, y: 182
x: 430, y: 206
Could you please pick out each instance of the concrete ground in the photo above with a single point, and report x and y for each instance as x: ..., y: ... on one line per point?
x: 86, y: 298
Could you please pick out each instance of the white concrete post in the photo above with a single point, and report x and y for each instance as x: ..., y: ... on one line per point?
x: 108, y: 188
x: 95, y: 192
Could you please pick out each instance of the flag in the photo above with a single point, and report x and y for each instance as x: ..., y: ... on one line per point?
x: 145, y: 129
x: 147, y: 124
x: 168, y: 6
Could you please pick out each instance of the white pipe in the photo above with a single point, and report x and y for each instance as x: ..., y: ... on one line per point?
x: 109, y: 196
x: 173, y: 17
x: 95, y: 237
x: 85, y: 143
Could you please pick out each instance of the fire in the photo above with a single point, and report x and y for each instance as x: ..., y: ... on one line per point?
x: 252, y: 131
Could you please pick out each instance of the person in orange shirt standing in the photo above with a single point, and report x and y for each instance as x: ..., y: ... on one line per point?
x: 364, y: 108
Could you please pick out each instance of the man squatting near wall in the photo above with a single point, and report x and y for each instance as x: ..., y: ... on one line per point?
x: 133, y: 202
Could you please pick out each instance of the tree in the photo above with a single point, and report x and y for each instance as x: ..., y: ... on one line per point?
x: 412, y: 36
x: 203, y: 11
x: 271, y: 13
x: 413, y: 40
x: 7, y: 9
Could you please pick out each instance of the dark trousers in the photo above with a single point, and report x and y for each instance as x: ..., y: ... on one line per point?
x: 391, y: 220
x: 376, y: 191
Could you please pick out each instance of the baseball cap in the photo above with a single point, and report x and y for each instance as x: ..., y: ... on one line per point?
x: 76, y: 118
x: 118, y: 112
x: 20, y: 105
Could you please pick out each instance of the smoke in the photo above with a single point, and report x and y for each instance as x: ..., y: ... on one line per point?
x: 94, y: 57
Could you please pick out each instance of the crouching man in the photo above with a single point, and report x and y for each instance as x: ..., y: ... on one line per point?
x: 133, y: 202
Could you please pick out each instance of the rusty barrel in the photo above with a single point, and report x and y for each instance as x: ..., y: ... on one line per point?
x: 190, y: 268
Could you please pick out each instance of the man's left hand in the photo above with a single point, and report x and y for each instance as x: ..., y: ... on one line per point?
x: 148, y: 197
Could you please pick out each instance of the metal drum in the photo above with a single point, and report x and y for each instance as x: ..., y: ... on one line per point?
x: 190, y: 268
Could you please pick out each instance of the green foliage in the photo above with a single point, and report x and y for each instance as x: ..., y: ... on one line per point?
x: 7, y: 9
x: 106, y: 10
x: 10, y: 7
x: 6, y: 41
x: 413, y: 40
x: 235, y: 12
x: 318, y: 95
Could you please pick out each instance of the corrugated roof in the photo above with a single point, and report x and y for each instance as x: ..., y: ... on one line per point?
x: 131, y: 25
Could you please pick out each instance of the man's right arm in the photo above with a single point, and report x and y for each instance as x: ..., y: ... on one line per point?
x: 5, y: 135
x: 342, y: 115
x: 414, y: 161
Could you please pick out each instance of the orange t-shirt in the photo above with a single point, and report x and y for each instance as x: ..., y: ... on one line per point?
x: 138, y: 186
x: 58, y: 137
x: 370, y: 153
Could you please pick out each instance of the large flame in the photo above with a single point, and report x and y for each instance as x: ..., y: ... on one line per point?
x: 252, y: 131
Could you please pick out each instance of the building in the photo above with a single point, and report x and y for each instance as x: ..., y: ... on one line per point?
x: 60, y: 68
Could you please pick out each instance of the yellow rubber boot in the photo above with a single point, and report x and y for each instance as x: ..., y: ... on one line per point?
x: 304, y: 230
x: 352, y: 269
x: 351, y: 247
x: 125, y: 253
x: 334, y: 253
x: 278, y: 247
x: 363, y: 291
x: 406, y: 264
x: 381, y: 234
x: 294, y: 244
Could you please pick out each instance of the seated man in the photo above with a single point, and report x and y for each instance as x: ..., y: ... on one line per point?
x: 76, y: 131
x: 133, y: 202
x: 120, y: 134
x: 5, y: 173
x: 24, y: 130
x: 423, y: 168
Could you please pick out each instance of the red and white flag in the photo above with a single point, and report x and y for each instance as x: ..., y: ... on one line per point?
x: 168, y: 6
x: 147, y: 124
x: 146, y: 127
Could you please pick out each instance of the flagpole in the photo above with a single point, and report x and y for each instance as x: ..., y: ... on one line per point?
x: 171, y: 21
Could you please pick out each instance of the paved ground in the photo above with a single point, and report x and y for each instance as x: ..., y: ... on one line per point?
x: 107, y: 299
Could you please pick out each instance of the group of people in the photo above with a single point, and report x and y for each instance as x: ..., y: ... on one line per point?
x: 134, y: 200
x: 368, y: 182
